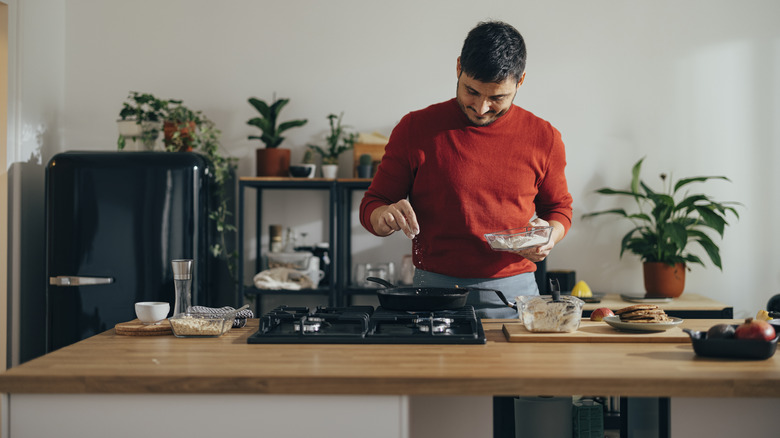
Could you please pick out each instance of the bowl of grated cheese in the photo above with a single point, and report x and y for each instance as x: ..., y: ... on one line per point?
x: 200, y: 325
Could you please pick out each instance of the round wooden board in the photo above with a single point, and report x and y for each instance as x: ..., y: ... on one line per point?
x: 137, y: 328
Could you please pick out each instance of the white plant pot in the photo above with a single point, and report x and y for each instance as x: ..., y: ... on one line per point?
x: 141, y: 137
x: 128, y: 128
x: 330, y: 170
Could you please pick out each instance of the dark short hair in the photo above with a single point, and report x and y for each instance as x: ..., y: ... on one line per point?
x: 492, y: 52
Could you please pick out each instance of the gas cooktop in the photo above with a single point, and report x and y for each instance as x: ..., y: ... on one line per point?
x: 366, y: 325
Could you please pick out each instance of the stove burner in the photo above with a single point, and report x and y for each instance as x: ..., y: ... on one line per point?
x: 310, y: 324
x: 366, y: 325
x: 433, y: 325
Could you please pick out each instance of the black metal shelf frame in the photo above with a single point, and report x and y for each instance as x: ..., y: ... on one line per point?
x: 339, y: 231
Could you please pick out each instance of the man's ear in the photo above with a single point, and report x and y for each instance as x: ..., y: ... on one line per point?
x: 520, y: 82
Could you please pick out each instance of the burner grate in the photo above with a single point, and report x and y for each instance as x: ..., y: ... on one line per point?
x: 363, y: 324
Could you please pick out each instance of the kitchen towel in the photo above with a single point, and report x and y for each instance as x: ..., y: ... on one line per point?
x: 241, y: 316
x: 282, y: 278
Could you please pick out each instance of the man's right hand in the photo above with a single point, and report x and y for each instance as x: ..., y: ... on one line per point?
x: 394, y: 217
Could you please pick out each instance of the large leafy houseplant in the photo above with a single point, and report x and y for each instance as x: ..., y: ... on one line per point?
x: 666, y: 222
x: 271, y: 160
x: 268, y: 122
x: 338, y: 141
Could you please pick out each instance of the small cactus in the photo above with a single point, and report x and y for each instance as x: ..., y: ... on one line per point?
x: 365, y: 160
x: 308, y: 157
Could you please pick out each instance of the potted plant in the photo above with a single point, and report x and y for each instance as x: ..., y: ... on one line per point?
x: 339, y: 141
x: 272, y: 161
x: 665, y: 223
x: 192, y: 130
x: 365, y: 166
x: 306, y: 168
x: 189, y: 130
x: 179, y: 127
x: 140, y: 121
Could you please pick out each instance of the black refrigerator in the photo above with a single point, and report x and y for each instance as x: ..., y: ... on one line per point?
x: 114, y: 222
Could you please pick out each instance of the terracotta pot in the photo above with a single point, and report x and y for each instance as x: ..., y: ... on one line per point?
x: 663, y: 280
x: 272, y: 162
x: 170, y: 128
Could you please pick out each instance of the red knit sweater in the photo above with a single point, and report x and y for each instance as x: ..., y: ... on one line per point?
x: 464, y: 181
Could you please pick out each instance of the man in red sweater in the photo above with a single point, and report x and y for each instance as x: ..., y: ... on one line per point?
x: 469, y: 166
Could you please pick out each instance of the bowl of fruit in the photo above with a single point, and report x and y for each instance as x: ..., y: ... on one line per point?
x: 753, y: 339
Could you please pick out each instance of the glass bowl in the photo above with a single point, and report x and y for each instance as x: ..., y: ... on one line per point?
x: 518, y: 238
x: 200, y: 325
x: 542, y: 314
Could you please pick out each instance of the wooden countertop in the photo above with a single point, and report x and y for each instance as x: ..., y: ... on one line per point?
x: 686, y: 301
x: 111, y: 363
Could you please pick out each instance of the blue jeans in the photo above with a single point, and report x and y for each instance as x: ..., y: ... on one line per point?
x: 486, y: 303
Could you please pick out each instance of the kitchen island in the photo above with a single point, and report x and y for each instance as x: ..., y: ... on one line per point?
x: 113, y: 385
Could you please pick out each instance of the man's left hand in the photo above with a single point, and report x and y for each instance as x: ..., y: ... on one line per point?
x: 538, y: 253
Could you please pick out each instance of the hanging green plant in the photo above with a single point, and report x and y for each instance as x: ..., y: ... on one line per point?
x: 191, y: 130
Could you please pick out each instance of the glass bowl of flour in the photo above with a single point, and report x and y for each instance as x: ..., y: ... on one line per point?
x: 516, y: 239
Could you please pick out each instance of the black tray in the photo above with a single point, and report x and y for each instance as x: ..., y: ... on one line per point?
x: 731, y: 348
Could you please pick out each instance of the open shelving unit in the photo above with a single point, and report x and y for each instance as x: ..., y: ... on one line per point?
x: 339, y: 192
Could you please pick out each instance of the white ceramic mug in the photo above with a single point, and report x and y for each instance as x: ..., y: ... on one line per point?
x: 152, y: 312
x: 314, y: 273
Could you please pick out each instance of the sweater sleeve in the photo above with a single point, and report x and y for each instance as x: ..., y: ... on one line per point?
x: 393, y: 179
x: 553, y: 201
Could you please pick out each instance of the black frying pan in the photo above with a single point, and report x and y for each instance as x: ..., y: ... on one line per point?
x: 426, y: 298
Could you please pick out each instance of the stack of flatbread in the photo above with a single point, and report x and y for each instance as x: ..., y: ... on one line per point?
x: 642, y: 313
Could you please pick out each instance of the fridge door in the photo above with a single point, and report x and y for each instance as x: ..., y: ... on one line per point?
x: 114, y: 222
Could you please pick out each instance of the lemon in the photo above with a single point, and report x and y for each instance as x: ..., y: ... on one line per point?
x: 763, y: 315
x: 581, y: 290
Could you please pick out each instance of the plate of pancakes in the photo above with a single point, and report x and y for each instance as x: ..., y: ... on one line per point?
x: 642, y: 318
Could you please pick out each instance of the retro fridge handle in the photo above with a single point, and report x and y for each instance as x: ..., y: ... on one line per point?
x: 66, y: 280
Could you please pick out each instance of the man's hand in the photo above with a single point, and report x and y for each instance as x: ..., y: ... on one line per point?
x: 394, y: 217
x: 539, y: 253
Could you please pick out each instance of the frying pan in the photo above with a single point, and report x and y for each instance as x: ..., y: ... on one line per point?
x: 426, y: 298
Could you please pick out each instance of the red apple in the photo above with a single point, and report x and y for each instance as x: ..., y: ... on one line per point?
x: 600, y: 313
x: 755, y: 329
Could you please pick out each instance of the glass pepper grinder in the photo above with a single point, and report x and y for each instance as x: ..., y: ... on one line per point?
x: 182, y: 281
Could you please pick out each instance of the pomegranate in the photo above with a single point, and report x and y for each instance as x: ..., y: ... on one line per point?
x: 755, y: 329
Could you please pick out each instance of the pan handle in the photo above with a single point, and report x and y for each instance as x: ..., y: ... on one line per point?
x: 503, y: 298
x: 381, y: 281
x: 500, y: 294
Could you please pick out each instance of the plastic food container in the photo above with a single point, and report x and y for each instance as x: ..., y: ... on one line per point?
x: 518, y: 238
x: 200, y: 325
x: 731, y: 348
x: 541, y: 314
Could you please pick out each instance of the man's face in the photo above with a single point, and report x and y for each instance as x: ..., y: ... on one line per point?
x: 484, y: 102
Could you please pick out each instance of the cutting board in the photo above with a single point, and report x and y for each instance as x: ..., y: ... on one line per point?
x: 137, y: 328
x: 594, y: 331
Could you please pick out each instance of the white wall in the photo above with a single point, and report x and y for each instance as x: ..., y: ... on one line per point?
x: 694, y: 86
